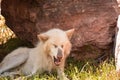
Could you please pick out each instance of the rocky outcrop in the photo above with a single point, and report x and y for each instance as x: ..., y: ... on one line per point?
x: 94, y: 22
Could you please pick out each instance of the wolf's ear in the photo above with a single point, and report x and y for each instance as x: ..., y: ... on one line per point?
x: 70, y: 33
x: 43, y: 37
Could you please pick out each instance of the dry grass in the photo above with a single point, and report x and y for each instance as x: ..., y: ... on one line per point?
x: 5, y: 34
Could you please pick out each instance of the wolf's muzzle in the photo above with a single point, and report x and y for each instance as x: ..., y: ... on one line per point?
x: 57, y: 60
x: 59, y: 54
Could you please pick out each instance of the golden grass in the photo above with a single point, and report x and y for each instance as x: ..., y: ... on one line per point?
x: 5, y: 34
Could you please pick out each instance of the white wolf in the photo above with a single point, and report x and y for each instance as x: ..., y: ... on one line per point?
x: 50, y: 53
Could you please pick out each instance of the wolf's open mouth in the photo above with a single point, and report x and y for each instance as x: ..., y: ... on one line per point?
x: 57, y: 61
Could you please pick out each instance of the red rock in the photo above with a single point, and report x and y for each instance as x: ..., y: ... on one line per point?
x: 94, y: 22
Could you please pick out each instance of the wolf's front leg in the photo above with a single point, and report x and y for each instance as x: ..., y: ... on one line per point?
x: 61, y: 74
x: 60, y: 71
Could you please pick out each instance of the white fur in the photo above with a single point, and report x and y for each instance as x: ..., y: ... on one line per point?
x: 39, y: 59
x: 18, y: 56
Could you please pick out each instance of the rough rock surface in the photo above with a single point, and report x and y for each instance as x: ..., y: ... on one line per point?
x: 94, y: 22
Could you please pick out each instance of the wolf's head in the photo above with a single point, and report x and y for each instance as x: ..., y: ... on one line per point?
x: 56, y: 44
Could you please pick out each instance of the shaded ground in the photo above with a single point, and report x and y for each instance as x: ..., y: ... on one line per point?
x: 10, y: 45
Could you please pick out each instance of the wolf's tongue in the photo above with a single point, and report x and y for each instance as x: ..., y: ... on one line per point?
x: 56, y: 61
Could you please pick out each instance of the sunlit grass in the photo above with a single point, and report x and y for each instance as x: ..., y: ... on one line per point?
x: 5, y: 34
x: 89, y: 71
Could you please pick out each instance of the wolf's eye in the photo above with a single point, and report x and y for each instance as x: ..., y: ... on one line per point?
x: 55, y: 46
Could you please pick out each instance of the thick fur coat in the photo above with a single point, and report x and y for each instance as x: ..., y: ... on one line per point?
x: 50, y: 53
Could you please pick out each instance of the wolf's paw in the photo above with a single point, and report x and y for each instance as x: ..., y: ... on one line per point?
x: 63, y: 78
x: 20, y: 78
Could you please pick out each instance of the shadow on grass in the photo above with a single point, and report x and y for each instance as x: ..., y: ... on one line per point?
x: 12, y: 44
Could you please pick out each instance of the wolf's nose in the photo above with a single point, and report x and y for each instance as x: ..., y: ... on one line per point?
x: 59, y: 54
